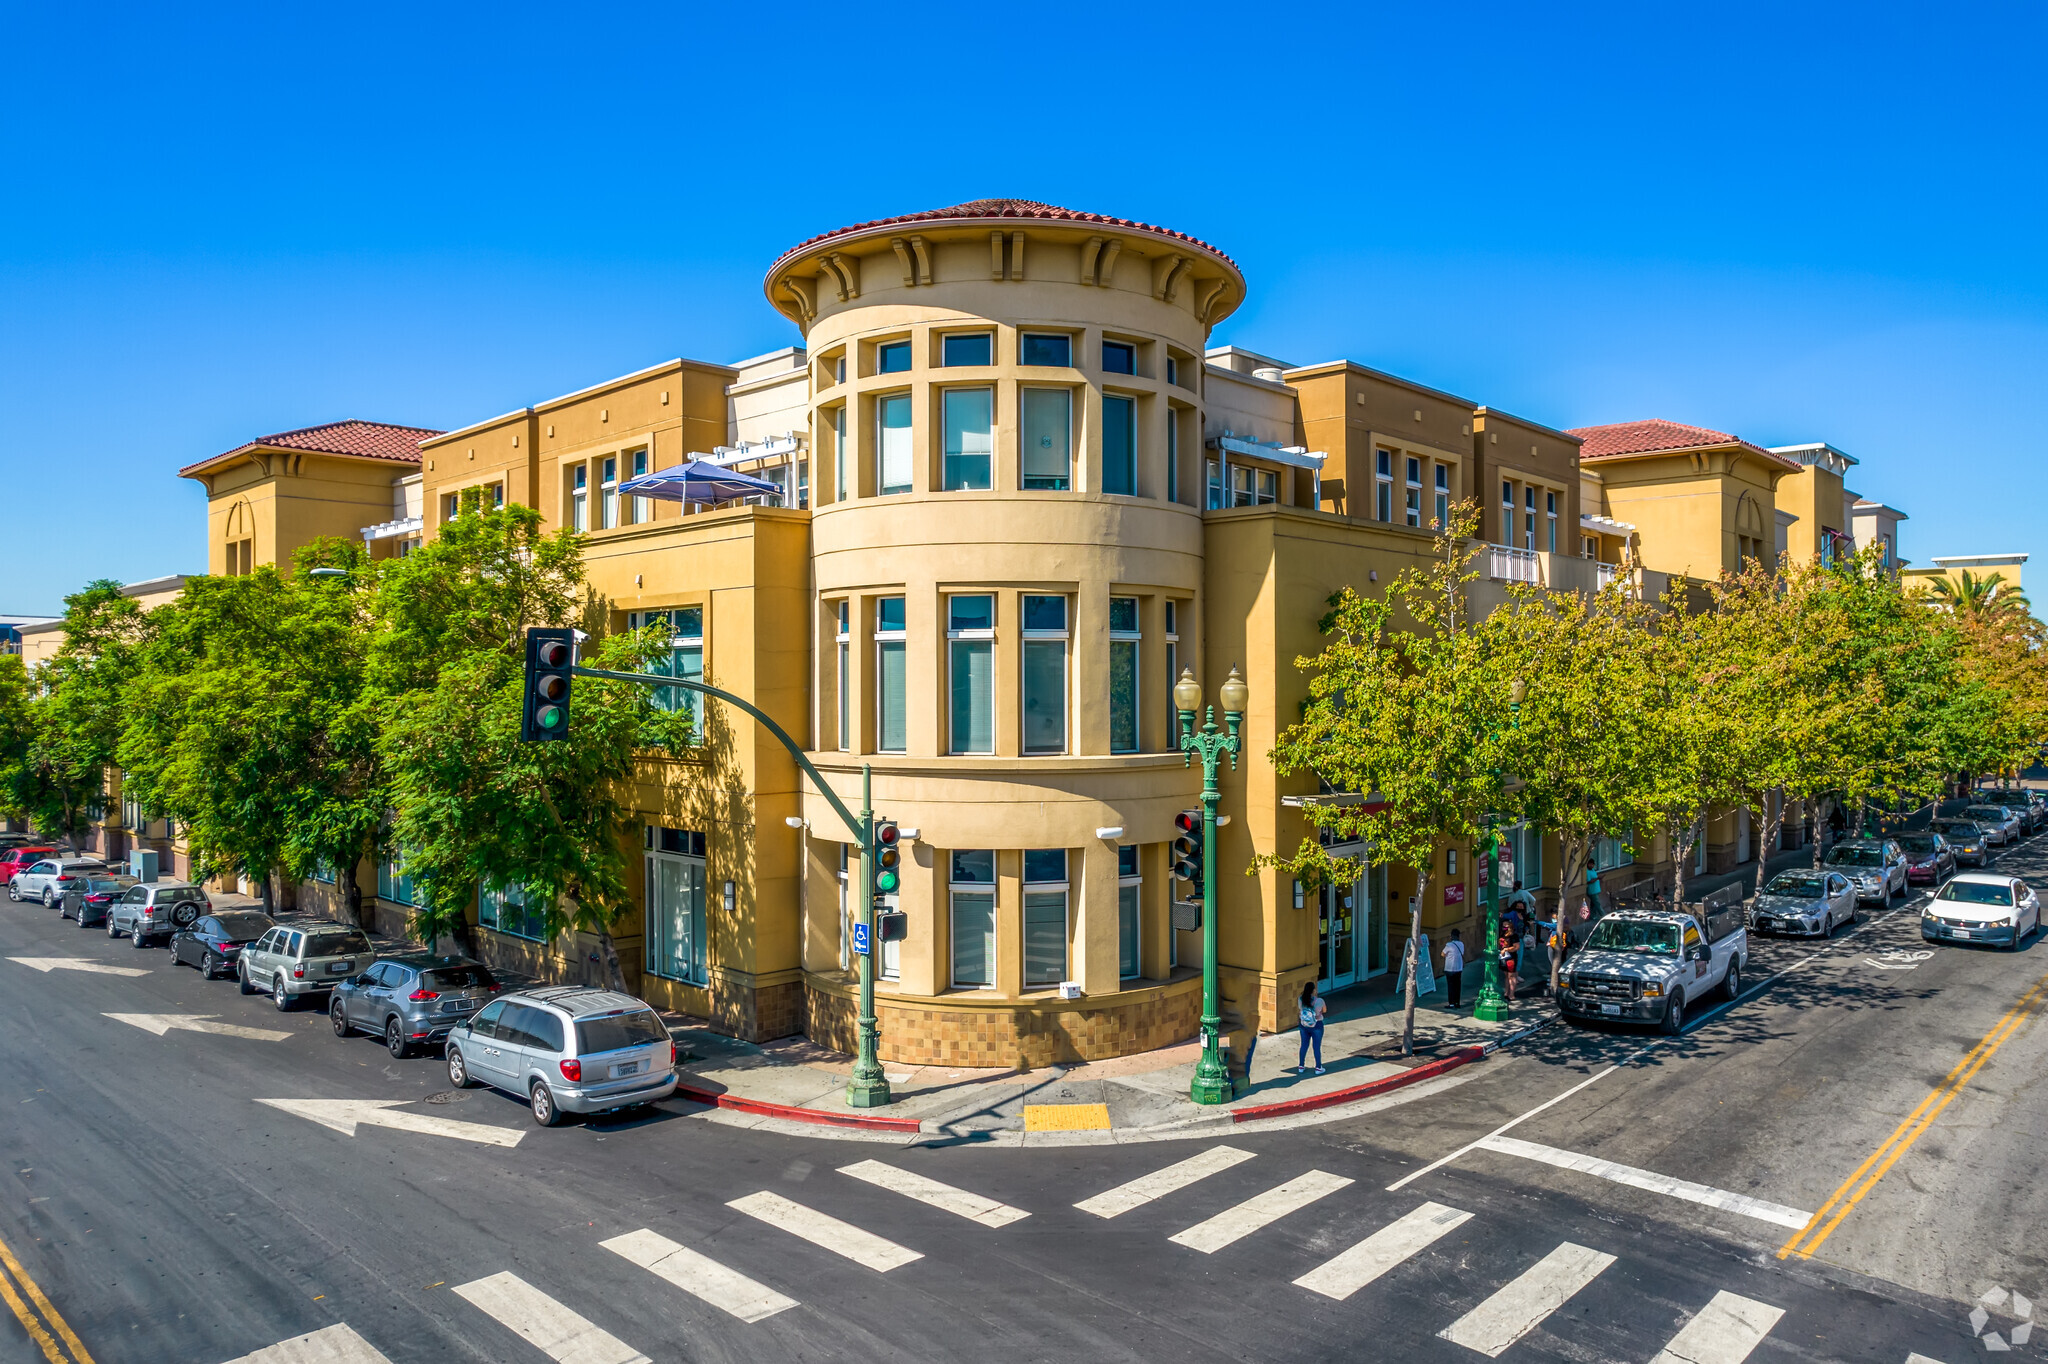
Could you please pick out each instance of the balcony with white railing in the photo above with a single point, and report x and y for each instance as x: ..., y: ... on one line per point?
x: 1507, y: 564
x: 1603, y: 574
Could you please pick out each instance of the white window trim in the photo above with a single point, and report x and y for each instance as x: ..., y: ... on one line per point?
x: 946, y: 456
x: 1027, y: 889
x: 944, y: 337
x: 842, y: 639
x: 1138, y: 880
x: 881, y: 458
x: 1064, y: 637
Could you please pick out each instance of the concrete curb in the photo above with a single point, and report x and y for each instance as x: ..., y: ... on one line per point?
x: 1428, y: 1070
x: 795, y: 1112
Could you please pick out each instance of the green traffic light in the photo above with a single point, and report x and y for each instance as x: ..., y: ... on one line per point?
x: 885, y: 882
x: 549, y: 717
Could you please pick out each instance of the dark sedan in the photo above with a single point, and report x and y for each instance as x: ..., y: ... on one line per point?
x: 214, y: 942
x: 89, y: 900
x: 1966, y: 841
x: 1929, y: 858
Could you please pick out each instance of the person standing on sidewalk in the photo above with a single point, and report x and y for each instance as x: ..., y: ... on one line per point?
x: 1454, y: 966
x: 1509, y: 948
x: 1312, y: 1011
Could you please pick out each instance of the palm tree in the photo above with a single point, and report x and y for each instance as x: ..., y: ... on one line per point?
x: 1984, y: 601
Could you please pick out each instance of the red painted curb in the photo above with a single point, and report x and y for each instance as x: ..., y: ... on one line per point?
x: 1427, y: 1070
x: 796, y: 1113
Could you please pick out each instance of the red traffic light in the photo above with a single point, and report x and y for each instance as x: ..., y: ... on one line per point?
x: 1187, y: 821
x: 886, y: 834
x: 554, y: 653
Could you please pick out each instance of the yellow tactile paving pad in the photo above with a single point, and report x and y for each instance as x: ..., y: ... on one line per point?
x: 1066, y: 1117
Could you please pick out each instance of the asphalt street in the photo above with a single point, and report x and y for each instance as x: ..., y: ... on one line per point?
x: 1608, y: 1194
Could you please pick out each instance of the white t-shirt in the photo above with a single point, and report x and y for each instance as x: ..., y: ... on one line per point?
x: 1454, y: 955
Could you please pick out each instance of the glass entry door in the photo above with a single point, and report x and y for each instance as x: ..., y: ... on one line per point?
x: 1339, y: 940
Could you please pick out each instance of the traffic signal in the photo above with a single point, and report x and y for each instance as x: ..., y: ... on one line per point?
x: 1188, y: 851
x: 894, y: 926
x: 888, y: 857
x: 550, y: 654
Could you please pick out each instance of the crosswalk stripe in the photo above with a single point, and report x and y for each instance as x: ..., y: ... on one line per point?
x: 1344, y: 1275
x: 699, y: 1275
x: 557, y: 1332
x: 1521, y: 1306
x: 971, y: 1206
x: 1140, y: 1191
x: 829, y: 1233
x: 1669, y: 1185
x: 336, y: 1344
x: 1920, y: 1359
x: 1234, y: 1224
x: 1724, y: 1332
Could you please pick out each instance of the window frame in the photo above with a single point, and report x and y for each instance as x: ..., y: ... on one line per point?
x: 897, y: 638
x: 579, y: 497
x: 1127, y: 349
x: 985, y: 637
x: 656, y: 929
x: 1042, y: 636
x: 946, y: 340
x: 1044, y: 889
x: 1026, y: 339
x: 1442, y: 492
x: 885, y: 404
x: 843, y: 639
x: 955, y: 890
x: 1129, y: 640
x: 948, y: 456
x: 608, y: 493
x: 1383, y: 484
x: 885, y: 350
x: 1128, y: 427
x: 1042, y: 482
x: 1414, y: 491
x: 1130, y: 912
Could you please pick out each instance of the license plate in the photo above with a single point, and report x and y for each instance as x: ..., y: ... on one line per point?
x: 619, y: 1072
x: 1960, y: 932
x: 337, y: 968
x: 454, y: 1006
x: 1610, y: 1008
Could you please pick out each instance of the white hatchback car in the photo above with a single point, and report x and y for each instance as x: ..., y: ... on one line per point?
x: 1982, y: 906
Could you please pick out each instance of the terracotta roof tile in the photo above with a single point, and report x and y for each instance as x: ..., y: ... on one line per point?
x: 365, y: 440
x: 1647, y: 437
x: 998, y: 208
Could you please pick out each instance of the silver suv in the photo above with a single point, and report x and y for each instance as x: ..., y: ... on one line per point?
x: 291, y: 961
x: 568, y: 1049
x: 48, y: 879
x: 410, y: 1001
x: 156, y: 909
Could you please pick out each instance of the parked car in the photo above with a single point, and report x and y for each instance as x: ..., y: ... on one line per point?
x: 413, y: 1000
x: 1651, y: 965
x: 156, y: 909
x: 1966, y: 839
x: 1876, y: 866
x: 89, y: 897
x: 568, y: 1049
x: 17, y: 860
x: 2001, y: 826
x: 214, y: 942
x: 292, y: 961
x: 1805, y: 902
x: 47, y: 878
x: 1929, y: 857
x: 22, y: 840
x: 1979, y: 906
x: 2022, y: 802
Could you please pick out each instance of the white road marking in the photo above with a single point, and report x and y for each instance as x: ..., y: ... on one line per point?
x: 1719, y: 1009
x: 1921, y: 1359
x: 1344, y: 1275
x: 163, y: 1023
x: 1707, y: 1195
x: 549, y: 1327
x: 343, y: 1115
x: 699, y: 1275
x: 1724, y: 1332
x: 1233, y: 1224
x: 335, y: 1344
x: 1521, y: 1306
x: 49, y: 964
x: 829, y: 1233
x: 1145, y: 1188
x: 972, y: 1206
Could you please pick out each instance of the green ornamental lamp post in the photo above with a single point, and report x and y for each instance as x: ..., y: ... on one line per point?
x: 1492, y: 1005
x: 1211, y: 1084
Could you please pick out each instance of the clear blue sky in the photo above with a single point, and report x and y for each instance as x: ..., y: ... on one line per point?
x: 1792, y: 223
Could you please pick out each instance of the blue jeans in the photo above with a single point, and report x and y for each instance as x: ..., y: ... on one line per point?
x: 1311, y: 1037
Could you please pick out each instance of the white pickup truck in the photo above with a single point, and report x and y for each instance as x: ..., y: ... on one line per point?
x: 1651, y: 966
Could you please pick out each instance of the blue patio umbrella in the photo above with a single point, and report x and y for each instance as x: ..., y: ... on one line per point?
x: 698, y: 481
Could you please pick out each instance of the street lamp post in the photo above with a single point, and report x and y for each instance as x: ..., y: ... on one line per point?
x: 1211, y: 1084
x: 1492, y: 1005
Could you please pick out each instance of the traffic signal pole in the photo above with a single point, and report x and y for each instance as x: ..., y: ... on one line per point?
x: 869, y: 1087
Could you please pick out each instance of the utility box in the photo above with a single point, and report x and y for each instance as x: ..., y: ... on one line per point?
x: 142, y: 863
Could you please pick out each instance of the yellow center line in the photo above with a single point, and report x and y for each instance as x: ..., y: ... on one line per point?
x: 29, y: 1323
x: 1865, y: 1177
x: 79, y: 1355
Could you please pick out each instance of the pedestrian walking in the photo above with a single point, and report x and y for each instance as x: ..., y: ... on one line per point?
x: 1454, y: 966
x: 1312, y: 1011
x: 1507, y: 948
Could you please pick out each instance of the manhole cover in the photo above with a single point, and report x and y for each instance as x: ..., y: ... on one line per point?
x: 447, y: 1096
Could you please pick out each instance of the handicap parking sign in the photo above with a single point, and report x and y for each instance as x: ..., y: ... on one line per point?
x: 860, y: 939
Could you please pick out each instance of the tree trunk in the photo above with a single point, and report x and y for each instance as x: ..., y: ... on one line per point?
x: 1414, y: 959
x: 350, y: 892
x: 1822, y: 809
x: 1773, y: 826
x: 608, y: 957
x: 1681, y: 853
x: 269, y: 904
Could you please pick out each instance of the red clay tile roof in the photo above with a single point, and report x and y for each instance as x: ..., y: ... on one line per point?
x: 997, y: 208
x: 365, y: 440
x: 1642, y: 438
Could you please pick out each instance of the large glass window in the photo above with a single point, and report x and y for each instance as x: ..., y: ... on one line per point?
x: 394, y: 882
x: 608, y: 494
x: 1443, y: 496
x: 1129, y: 895
x: 1507, y: 512
x: 969, y: 421
x: 844, y: 640
x: 1172, y: 452
x: 1045, y: 674
x: 1052, y: 352
x: 839, y: 452
x: 1048, y: 437
x: 891, y: 685
x: 685, y: 659
x: 1119, y: 445
x: 1172, y: 651
x: 1212, y: 477
x: 893, y: 439
x: 1119, y: 358
x: 507, y: 909
x: 642, y: 508
x: 892, y: 357
x: 974, y: 348
x: 973, y: 894
x: 1045, y: 916
x: 579, y: 498
x: 970, y: 649
x: 675, y: 904
x: 1550, y: 510
x: 1254, y: 487
x: 1415, y: 492
x: 1123, y: 674
x: 1383, y: 484
x: 1528, y: 517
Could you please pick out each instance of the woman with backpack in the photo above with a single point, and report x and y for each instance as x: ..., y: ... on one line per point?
x: 1312, y: 1011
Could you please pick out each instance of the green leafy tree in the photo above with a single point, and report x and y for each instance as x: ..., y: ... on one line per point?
x: 76, y: 709
x: 1988, y: 600
x: 17, y: 730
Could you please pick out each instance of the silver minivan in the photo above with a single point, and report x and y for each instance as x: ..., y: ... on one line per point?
x: 48, y: 879
x: 568, y: 1049
x: 295, y: 960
